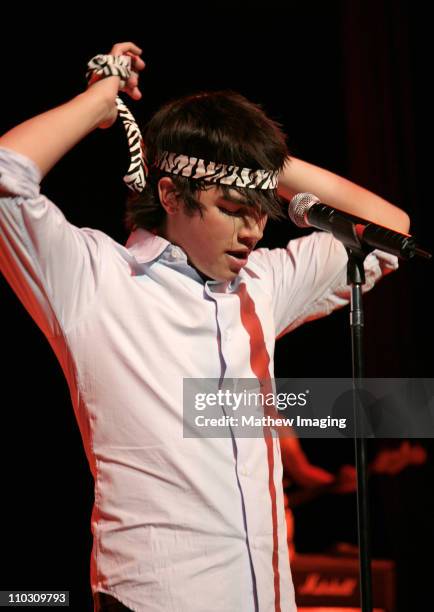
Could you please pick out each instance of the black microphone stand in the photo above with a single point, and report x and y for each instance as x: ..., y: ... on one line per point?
x: 345, y: 231
x: 358, y: 246
x: 356, y: 278
x: 359, y: 239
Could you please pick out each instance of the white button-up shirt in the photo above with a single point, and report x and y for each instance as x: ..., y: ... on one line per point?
x: 179, y: 524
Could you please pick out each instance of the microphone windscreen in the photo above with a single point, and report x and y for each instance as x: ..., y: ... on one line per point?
x: 299, y: 206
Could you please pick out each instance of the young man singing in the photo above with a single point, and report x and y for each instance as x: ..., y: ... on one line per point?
x: 179, y: 524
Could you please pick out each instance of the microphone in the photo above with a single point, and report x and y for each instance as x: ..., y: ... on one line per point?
x: 360, y: 235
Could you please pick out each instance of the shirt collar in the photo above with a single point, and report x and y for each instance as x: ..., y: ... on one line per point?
x: 145, y: 246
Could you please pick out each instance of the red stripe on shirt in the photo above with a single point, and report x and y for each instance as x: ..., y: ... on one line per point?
x: 259, y: 362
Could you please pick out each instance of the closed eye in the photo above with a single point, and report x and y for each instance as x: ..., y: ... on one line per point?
x: 231, y: 213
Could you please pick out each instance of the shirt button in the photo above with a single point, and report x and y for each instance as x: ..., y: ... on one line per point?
x: 176, y: 253
x: 243, y: 469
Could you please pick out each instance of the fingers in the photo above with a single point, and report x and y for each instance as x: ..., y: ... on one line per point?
x: 132, y: 86
x: 137, y: 65
x: 123, y: 48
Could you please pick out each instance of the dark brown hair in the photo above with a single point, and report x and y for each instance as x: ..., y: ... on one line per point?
x: 220, y: 126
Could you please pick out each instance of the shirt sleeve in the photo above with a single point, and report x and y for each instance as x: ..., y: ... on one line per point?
x: 53, y: 267
x: 309, y: 278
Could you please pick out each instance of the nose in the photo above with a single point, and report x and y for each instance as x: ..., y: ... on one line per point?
x: 251, y: 230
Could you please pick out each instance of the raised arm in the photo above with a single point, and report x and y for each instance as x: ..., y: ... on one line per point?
x: 300, y: 176
x: 47, y: 137
x: 54, y: 268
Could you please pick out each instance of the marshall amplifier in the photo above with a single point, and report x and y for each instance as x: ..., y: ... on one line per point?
x: 334, y: 582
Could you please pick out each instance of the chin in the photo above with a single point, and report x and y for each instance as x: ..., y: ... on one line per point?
x: 231, y: 276
x: 219, y: 275
x: 228, y: 275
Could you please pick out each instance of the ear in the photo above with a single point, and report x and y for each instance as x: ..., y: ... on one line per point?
x: 167, y: 194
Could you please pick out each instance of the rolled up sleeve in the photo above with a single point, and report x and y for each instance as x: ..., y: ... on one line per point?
x: 53, y: 267
x: 309, y: 278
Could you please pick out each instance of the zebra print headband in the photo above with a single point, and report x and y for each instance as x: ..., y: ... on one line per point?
x: 102, y: 66
x: 212, y: 172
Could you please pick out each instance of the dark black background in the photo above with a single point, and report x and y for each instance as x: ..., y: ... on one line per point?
x: 348, y: 82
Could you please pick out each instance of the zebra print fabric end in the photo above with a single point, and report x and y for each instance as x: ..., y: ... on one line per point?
x: 103, y: 66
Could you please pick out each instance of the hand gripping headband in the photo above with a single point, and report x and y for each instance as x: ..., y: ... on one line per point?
x: 191, y: 167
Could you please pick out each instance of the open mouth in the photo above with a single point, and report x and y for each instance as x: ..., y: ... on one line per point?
x: 242, y: 255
